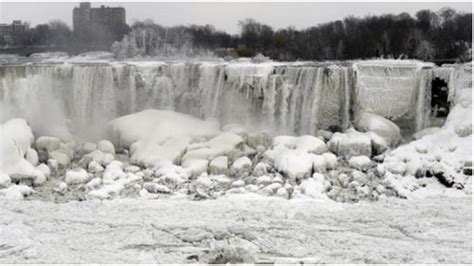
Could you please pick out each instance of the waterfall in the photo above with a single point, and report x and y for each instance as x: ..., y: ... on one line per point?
x: 289, y: 98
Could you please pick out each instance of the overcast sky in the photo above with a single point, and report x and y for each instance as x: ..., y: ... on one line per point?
x: 223, y: 16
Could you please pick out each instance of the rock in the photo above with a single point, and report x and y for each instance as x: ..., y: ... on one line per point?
x: 39, y: 179
x: 106, y: 146
x: 365, y: 122
x: 264, y: 180
x: 351, y: 143
x: 421, y: 148
x: 219, y: 165
x: 61, y: 187
x: 331, y: 160
x: 241, y: 164
x: 380, y: 169
x: 312, y: 188
x: 260, y: 169
x: 77, y: 176
x: 463, y: 130
x: 44, y: 169
x: 95, y: 167
x: 344, y: 180
x: 396, y: 167
x: 271, y: 189
x: 86, y: 148
x: 48, y: 144
x: 306, y: 143
x: 32, y: 156
x: 361, y: 163
x: 196, y: 166
x: 259, y: 139
x: 94, y: 183
x: 319, y: 164
x: 53, y: 165
x: 98, y: 156
x: 379, y: 144
x: 277, y: 179
x: 16, y: 192
x: 156, y: 188
x: 295, y: 164
x: 62, y: 159
x: 204, y: 182
x: 4, y: 180
x: 282, y: 192
x: 238, y: 183
x: 132, y: 169
x: 325, y: 134
x: 251, y: 188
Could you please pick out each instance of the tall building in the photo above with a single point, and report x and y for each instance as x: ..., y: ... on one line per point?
x: 10, y: 33
x: 99, y: 22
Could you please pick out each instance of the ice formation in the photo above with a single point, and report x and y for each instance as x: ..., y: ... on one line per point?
x: 208, y: 129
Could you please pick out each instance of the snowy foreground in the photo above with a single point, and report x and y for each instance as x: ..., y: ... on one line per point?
x: 237, y: 229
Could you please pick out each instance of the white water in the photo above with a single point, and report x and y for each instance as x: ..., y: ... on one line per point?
x: 282, y: 98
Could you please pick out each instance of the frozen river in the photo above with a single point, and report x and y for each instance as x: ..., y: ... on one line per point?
x: 432, y: 230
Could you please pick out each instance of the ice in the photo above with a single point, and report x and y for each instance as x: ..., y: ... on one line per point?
x: 15, y: 142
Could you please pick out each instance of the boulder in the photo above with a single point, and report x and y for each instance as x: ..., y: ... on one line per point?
x: 351, y: 143
x: 383, y: 127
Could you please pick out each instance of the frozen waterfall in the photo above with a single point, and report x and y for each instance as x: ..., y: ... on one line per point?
x: 291, y: 98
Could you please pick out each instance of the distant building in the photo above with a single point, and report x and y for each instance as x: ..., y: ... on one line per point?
x: 11, y: 33
x: 96, y: 22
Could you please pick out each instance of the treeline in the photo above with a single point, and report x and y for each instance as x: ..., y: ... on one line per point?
x: 429, y: 35
x: 149, y: 39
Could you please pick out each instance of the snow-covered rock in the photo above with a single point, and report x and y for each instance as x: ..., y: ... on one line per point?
x: 16, y: 192
x: 219, y: 165
x: 16, y: 140
x: 307, y: 143
x: 264, y: 180
x: 77, y: 176
x: 241, y: 164
x: 330, y: 160
x: 4, y: 180
x: 106, y: 146
x: 350, y: 143
x: 361, y: 162
x: 196, y: 166
x: 369, y: 122
x: 32, y: 157
x: 260, y: 169
x: 313, y: 188
x: 158, y: 136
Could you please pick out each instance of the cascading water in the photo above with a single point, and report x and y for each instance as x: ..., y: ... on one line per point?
x: 283, y: 98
